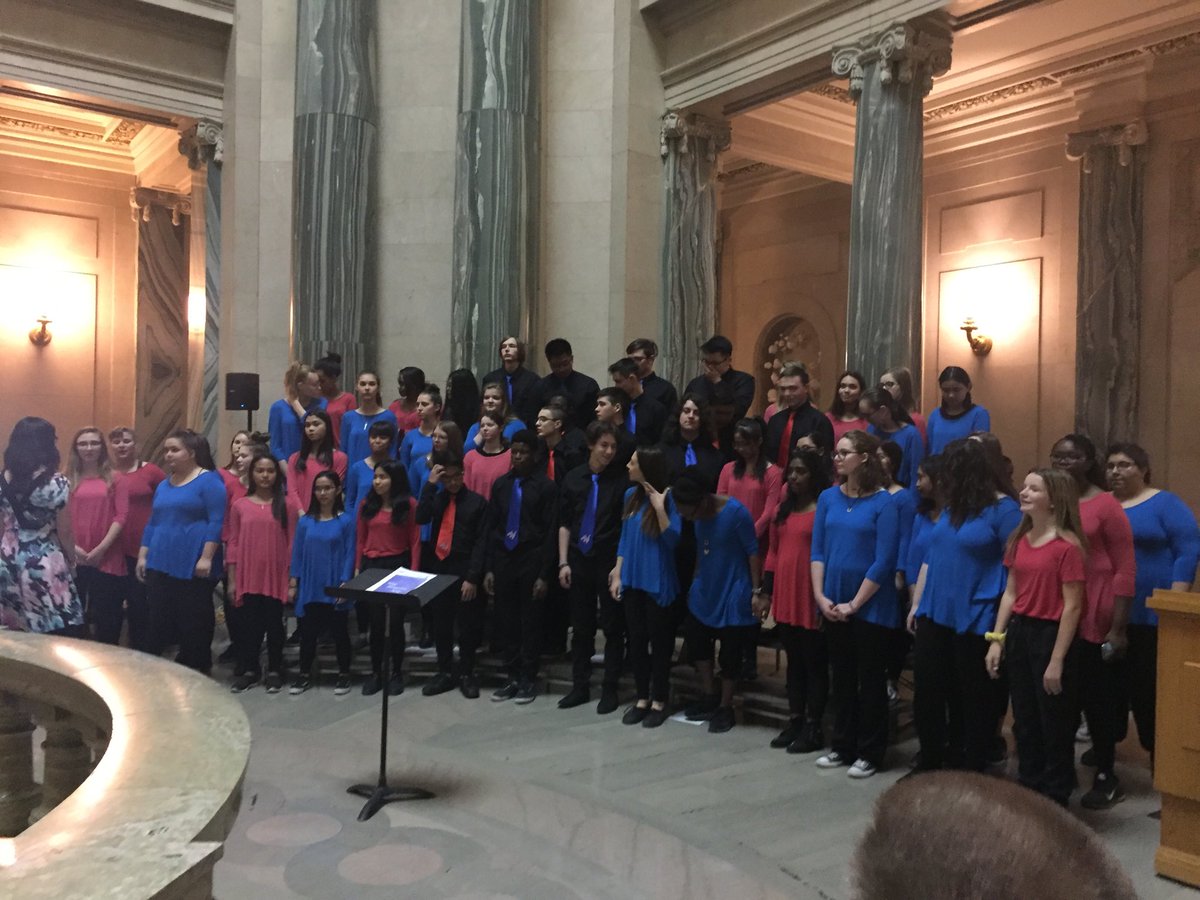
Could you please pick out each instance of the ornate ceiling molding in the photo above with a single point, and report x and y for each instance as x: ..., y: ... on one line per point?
x: 1055, y: 79
x: 120, y: 135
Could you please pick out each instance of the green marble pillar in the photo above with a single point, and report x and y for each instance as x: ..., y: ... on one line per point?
x: 890, y: 73
x: 1109, y: 300
x: 496, y: 184
x: 334, y: 303
x: 690, y: 146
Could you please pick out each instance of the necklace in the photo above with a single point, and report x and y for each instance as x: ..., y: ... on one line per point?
x: 851, y: 502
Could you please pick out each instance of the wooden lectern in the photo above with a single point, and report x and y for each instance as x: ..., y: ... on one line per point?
x: 1177, y: 734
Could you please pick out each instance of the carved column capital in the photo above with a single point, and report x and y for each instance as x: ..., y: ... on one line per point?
x: 1123, y: 137
x: 141, y: 199
x: 907, y: 52
x: 677, y: 127
x: 204, y: 142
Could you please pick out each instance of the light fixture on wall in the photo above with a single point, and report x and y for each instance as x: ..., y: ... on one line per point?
x: 981, y: 345
x: 40, y: 337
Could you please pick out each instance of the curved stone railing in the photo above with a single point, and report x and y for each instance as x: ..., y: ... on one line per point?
x: 144, y: 762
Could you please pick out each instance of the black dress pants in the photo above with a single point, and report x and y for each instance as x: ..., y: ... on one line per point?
x: 518, y: 613
x: 1043, y: 724
x: 1141, y: 661
x: 181, y: 611
x: 1102, y: 697
x: 807, y: 655
x: 317, y: 619
x: 447, y: 610
x: 858, y: 654
x: 137, y: 608
x: 101, y: 594
x: 589, y: 592
x: 261, y: 616
x: 651, y: 633
x: 957, y: 705
x: 377, y: 616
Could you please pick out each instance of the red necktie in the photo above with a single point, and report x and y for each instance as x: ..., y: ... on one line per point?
x: 785, y: 443
x: 446, y: 532
x: 550, y: 465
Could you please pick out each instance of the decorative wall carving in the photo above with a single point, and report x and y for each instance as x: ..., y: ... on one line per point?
x: 141, y: 200
x: 906, y: 53
x: 1124, y: 137
x: 204, y: 142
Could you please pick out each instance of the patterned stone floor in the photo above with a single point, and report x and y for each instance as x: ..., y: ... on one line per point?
x: 533, y: 802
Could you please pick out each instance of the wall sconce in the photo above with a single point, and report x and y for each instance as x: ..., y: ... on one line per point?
x: 980, y: 344
x: 40, y: 337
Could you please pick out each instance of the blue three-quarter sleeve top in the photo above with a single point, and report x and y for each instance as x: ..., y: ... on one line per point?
x: 721, y: 591
x: 648, y: 564
x: 1166, y: 544
x: 858, y: 538
x: 322, y: 556
x: 182, y: 520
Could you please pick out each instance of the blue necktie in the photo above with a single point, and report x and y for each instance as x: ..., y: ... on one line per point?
x: 508, y: 381
x: 631, y: 422
x: 689, y: 456
x: 587, y: 528
x: 512, y: 530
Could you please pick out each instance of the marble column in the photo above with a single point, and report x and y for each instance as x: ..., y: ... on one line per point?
x: 68, y: 762
x: 203, y: 145
x: 496, y: 183
x: 688, y: 298
x: 162, y: 296
x: 334, y: 303
x: 19, y: 793
x: 1109, y: 297
x: 890, y: 73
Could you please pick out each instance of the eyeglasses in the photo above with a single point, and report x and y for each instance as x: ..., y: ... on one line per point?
x: 842, y: 454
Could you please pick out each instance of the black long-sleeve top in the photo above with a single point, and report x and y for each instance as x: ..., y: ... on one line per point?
x: 661, y: 391
x: 610, y: 498
x: 650, y: 419
x: 568, y: 453
x: 524, y: 384
x: 580, y: 391
x: 709, y: 461
x: 808, y: 420
x: 468, y: 546
x: 741, y: 383
x: 538, y: 530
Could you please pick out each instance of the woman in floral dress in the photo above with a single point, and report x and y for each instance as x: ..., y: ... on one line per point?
x: 37, y: 549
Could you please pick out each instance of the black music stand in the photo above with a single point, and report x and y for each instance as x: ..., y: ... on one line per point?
x: 359, y: 588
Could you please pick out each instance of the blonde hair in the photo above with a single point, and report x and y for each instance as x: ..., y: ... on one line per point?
x: 75, y: 464
x: 296, y: 374
x: 1064, y: 504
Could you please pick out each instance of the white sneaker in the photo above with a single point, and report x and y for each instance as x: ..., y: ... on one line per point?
x: 861, y: 769
x: 1083, y: 735
x: 831, y: 760
x: 893, y: 691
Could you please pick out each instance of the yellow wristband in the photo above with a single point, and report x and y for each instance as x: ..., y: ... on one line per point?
x: 995, y: 637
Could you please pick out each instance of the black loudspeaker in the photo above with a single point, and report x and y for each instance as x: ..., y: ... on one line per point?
x: 241, y: 390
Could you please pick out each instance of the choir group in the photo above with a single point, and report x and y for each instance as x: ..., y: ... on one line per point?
x: 865, y: 537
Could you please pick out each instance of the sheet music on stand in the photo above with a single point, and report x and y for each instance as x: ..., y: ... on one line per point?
x: 401, y: 581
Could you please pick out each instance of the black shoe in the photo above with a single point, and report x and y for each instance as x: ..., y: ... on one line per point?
x: 577, y: 696
x: 245, y: 681
x: 439, y: 684
x: 426, y: 642
x: 506, y: 693
x: 634, y: 714
x: 372, y: 686
x: 788, y: 735
x: 654, y: 717
x: 469, y: 687
x: 810, y: 739
x: 341, y: 686
x: 998, y: 752
x: 396, y: 685
x: 721, y: 720
x: 608, y: 702
x: 1088, y: 757
x: 701, y: 710
x: 526, y: 693
x: 300, y: 685
x: 1105, y: 793
x: 273, y: 683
